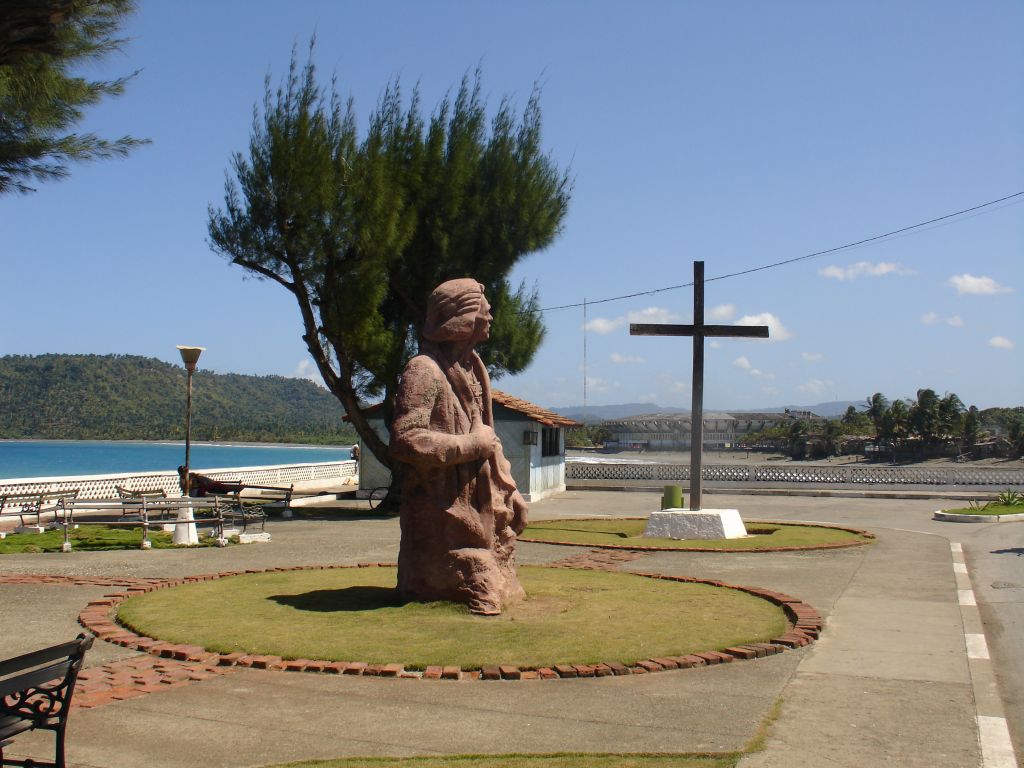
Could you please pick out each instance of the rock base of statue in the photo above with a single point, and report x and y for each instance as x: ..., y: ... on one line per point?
x: 484, y: 579
x: 699, y: 524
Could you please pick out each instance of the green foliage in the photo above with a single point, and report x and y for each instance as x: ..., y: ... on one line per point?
x: 1010, y: 498
x: 126, y: 397
x: 626, y: 532
x: 587, y: 436
x: 89, y: 538
x: 361, y: 229
x: 41, y: 43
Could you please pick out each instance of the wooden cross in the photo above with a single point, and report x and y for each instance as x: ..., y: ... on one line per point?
x: 699, y: 331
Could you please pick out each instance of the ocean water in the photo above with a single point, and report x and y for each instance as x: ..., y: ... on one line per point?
x: 49, y: 458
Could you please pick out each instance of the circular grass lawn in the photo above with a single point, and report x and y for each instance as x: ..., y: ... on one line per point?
x: 628, y: 533
x: 354, y: 614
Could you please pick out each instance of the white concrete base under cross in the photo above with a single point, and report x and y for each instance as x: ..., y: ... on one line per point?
x: 677, y: 523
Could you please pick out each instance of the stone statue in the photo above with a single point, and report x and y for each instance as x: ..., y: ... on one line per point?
x: 460, y: 509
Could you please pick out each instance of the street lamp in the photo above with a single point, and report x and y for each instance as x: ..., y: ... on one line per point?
x: 186, y: 534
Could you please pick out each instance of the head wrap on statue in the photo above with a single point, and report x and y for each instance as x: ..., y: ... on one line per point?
x: 452, y: 310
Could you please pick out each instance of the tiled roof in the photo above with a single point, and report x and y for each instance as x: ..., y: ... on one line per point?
x: 535, y: 412
x: 525, y: 407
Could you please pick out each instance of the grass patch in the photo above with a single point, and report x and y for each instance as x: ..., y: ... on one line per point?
x: 560, y: 760
x: 355, y: 614
x: 90, y: 538
x: 989, y: 509
x: 626, y: 533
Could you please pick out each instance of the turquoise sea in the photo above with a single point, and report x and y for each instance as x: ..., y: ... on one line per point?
x: 49, y: 458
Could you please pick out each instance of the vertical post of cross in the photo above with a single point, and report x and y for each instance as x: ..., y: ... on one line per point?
x: 697, y: 390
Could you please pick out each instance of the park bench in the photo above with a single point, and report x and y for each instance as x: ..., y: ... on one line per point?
x: 126, y: 494
x: 35, y: 503
x: 247, y: 504
x: 147, y: 513
x: 35, y: 693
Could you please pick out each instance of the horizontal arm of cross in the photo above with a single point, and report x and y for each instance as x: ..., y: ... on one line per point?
x: 668, y: 329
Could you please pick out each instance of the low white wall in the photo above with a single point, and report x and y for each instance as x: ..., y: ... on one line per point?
x: 102, y: 486
x: 577, y: 469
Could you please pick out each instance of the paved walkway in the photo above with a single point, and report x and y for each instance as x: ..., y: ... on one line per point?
x: 888, y: 683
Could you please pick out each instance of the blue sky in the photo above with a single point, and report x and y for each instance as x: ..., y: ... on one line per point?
x: 739, y: 133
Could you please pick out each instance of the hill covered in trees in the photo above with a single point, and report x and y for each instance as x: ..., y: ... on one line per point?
x: 127, y: 397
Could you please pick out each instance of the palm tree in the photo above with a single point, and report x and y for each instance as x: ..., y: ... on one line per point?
x: 877, y: 405
x: 895, y: 424
x: 924, y: 415
x: 970, y: 428
x: 951, y: 410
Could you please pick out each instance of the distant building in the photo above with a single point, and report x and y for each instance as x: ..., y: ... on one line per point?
x: 672, y: 431
x: 533, y: 439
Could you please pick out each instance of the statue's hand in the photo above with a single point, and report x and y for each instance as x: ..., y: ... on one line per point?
x: 519, y: 512
x: 485, y: 441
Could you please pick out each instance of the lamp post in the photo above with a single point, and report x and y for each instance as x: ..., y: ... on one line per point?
x: 186, y: 534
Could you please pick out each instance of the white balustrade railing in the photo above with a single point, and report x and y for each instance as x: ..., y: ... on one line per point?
x: 102, y: 486
x: 797, y: 473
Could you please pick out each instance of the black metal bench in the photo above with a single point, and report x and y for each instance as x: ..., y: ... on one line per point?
x: 35, y: 693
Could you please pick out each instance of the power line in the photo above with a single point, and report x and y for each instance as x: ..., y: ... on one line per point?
x: 814, y: 255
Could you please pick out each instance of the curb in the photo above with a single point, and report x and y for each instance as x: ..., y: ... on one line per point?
x: 955, y: 517
x: 99, y: 617
x: 640, y: 548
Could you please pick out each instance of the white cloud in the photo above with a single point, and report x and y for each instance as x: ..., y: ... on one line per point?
x: 1000, y: 342
x: 864, y: 269
x: 722, y: 313
x: 306, y: 370
x: 598, y: 386
x: 647, y: 397
x: 981, y: 286
x: 744, y: 364
x: 604, y: 325
x: 770, y: 390
x: 627, y: 359
x: 812, y: 357
x: 816, y: 387
x: 776, y: 330
x: 680, y: 386
x: 932, y: 318
x: 715, y: 344
x: 653, y: 315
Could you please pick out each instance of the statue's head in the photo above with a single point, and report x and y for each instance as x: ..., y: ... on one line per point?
x: 458, y: 311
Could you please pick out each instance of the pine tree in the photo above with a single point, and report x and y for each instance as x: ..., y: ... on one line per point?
x: 361, y: 230
x: 41, y: 42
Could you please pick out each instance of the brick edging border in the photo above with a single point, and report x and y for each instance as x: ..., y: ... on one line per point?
x: 640, y: 548
x: 98, y: 617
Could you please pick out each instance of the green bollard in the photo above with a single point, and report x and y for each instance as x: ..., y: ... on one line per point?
x: 672, y: 498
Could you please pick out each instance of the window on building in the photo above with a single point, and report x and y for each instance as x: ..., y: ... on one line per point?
x: 551, y: 441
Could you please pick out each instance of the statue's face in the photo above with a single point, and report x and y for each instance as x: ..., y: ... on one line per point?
x: 482, y: 327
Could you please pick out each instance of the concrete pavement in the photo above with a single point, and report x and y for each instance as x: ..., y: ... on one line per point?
x: 889, y: 682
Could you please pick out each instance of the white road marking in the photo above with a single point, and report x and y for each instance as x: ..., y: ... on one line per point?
x: 977, y: 648
x: 996, y: 747
x: 967, y: 597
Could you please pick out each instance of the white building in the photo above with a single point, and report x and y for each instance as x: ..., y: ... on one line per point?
x: 533, y: 439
